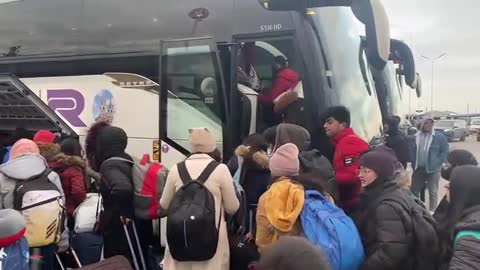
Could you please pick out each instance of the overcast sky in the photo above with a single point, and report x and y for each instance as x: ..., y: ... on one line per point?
x: 432, y: 27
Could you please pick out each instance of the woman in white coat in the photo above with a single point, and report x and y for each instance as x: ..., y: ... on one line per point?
x: 220, y: 184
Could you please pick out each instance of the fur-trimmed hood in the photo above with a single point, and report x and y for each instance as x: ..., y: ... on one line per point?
x: 69, y: 161
x: 49, y: 150
x: 259, y: 157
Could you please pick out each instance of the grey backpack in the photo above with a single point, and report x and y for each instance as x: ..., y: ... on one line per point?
x: 148, y: 179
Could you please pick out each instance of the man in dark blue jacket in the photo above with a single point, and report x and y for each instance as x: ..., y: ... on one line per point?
x: 430, y: 153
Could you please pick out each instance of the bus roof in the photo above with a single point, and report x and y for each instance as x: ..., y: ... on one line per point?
x: 39, y: 27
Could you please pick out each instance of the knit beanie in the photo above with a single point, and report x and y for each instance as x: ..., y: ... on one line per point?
x: 23, y: 147
x: 12, y: 227
x: 44, y: 136
x: 382, y: 162
x: 202, y: 141
x: 284, y: 162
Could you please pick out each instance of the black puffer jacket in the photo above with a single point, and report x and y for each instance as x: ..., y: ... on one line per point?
x: 381, y: 226
x: 466, y: 253
x: 255, y: 176
x: 464, y: 216
x: 399, y: 143
x: 115, y: 187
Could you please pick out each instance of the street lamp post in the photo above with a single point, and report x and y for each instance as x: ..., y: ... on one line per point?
x: 432, y: 61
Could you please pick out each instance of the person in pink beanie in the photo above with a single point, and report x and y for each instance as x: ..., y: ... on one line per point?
x: 279, y: 208
x: 285, y: 162
x: 23, y: 147
x: 26, y: 163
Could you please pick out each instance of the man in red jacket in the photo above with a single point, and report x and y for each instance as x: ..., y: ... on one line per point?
x: 348, y: 149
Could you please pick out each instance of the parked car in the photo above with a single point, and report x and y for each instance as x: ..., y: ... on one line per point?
x: 474, y: 126
x: 452, y: 129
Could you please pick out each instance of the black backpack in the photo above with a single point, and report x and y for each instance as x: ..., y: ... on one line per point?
x: 423, y: 228
x: 192, y: 233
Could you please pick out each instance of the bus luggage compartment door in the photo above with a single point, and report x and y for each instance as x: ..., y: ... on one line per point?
x: 21, y: 107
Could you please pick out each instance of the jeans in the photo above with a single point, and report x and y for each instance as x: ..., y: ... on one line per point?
x: 421, y: 180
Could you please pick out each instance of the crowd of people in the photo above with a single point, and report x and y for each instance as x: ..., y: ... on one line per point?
x: 271, y: 206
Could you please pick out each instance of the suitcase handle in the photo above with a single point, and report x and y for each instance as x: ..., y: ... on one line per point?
x: 134, y: 257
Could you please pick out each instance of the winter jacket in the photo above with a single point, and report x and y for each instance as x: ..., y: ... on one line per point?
x: 437, y: 152
x: 466, y: 253
x: 348, y: 149
x: 255, y: 175
x: 220, y: 184
x: 278, y: 212
x: 285, y: 80
x: 117, y: 196
x: 399, y: 143
x: 20, y: 169
x: 72, y: 174
x: 381, y: 227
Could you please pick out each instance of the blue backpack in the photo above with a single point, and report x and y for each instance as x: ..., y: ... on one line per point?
x: 329, y: 228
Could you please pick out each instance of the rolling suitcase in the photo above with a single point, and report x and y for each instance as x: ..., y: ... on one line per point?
x: 112, y: 263
x: 68, y: 258
x: 88, y: 246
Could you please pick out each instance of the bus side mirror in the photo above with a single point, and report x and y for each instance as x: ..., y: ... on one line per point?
x: 370, y: 12
x: 377, y: 30
x: 418, y: 85
x: 400, y: 52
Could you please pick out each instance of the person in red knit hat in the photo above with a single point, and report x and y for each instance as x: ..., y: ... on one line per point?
x: 44, y: 136
x: 45, y: 141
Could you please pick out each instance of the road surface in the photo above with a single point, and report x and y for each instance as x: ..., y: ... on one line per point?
x: 470, y: 144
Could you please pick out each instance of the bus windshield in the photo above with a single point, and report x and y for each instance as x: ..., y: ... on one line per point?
x: 347, y: 68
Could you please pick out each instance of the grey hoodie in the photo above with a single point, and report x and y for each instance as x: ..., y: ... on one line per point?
x: 19, y: 169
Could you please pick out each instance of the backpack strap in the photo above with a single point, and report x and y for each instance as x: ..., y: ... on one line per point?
x: 207, y: 171
x: 185, y: 175
x: 117, y: 159
x: 183, y: 172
